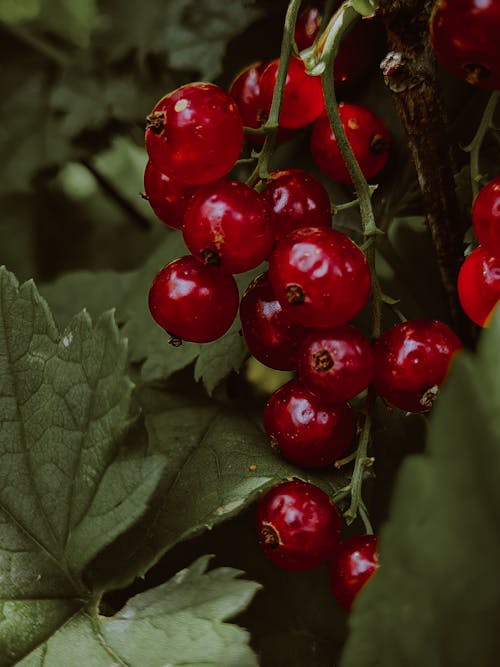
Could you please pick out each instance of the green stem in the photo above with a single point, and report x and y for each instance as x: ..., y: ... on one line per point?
x: 475, y: 145
x: 270, y: 127
x: 359, y: 466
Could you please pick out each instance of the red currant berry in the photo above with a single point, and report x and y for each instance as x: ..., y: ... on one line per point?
x: 271, y: 337
x: 195, y: 134
x: 229, y: 224
x: 320, y: 277
x: 354, y: 563
x: 479, y: 285
x: 298, y: 526
x: 307, y: 27
x: 298, y: 199
x: 303, y: 97
x: 305, y: 430
x: 193, y: 302
x: 486, y: 216
x: 367, y: 135
x: 336, y: 363
x: 168, y: 199
x: 411, y: 362
x: 464, y: 35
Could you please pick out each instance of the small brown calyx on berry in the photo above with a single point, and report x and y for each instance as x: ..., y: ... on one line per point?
x: 322, y: 361
x: 475, y: 73
x: 378, y: 144
x: 210, y: 257
x: 270, y: 536
x: 295, y: 294
x: 274, y: 443
x: 155, y: 121
x: 174, y: 340
x: 428, y: 397
x: 144, y: 196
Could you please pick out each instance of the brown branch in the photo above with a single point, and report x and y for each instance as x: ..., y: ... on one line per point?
x: 410, y: 73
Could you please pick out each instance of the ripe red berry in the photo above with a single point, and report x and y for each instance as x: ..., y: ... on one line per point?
x: 298, y: 526
x: 229, y: 224
x: 307, y: 27
x: 303, y: 96
x: 337, y: 363
x: 411, y: 362
x: 304, y: 429
x: 297, y: 199
x: 193, y: 302
x: 271, y: 337
x: 464, y: 34
x: 479, y: 285
x: 195, y: 133
x: 320, y: 277
x: 486, y: 216
x: 367, y: 135
x: 168, y: 199
x: 354, y: 563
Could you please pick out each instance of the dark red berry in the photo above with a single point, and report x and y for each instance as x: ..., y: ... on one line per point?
x: 336, y: 363
x: 411, y: 362
x: 320, y: 277
x: 193, y: 302
x: 367, y: 135
x: 229, y: 224
x: 168, y: 199
x: 307, y: 27
x: 306, y: 430
x: 245, y: 90
x: 298, y: 526
x: 297, y: 199
x: 271, y: 337
x: 486, y: 216
x: 354, y: 563
x: 479, y: 285
x: 464, y: 34
x: 195, y: 133
x: 303, y: 97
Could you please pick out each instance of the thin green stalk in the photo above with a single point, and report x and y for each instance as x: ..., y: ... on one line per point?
x: 474, y: 147
x: 359, y: 467
x: 261, y: 170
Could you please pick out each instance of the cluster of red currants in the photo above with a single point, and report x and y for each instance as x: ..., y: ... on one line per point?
x: 296, y: 315
x: 479, y: 277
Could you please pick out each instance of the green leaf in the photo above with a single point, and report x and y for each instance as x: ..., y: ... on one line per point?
x: 12, y: 11
x: 66, y: 488
x: 436, y: 596
x: 218, y: 460
x: 181, y: 622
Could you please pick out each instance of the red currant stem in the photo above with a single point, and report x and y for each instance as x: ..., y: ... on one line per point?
x: 365, y: 518
x: 246, y: 160
x: 474, y: 147
x: 341, y: 494
x: 391, y: 303
x: 270, y: 127
x: 339, y: 463
x: 257, y: 131
x: 110, y: 190
x: 353, y: 203
x: 360, y: 464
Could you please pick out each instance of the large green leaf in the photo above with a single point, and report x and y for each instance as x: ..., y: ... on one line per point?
x: 436, y: 598
x: 178, y: 623
x: 218, y: 461
x: 67, y: 489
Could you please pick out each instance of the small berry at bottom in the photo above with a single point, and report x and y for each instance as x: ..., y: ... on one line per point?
x: 354, y: 563
x: 298, y: 526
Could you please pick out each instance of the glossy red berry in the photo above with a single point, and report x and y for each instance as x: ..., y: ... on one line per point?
x: 193, y: 302
x: 464, y: 35
x: 307, y: 27
x: 336, y: 363
x: 271, y: 337
x: 297, y: 199
x: 306, y: 430
x: 411, y: 362
x: 367, y: 135
x: 298, y: 526
x: 354, y: 563
x: 195, y: 133
x: 168, y: 199
x: 303, y: 96
x: 479, y: 285
x: 486, y: 216
x: 320, y: 277
x: 229, y: 224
